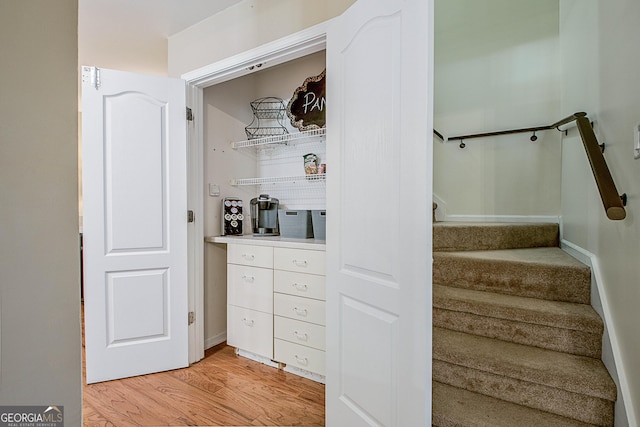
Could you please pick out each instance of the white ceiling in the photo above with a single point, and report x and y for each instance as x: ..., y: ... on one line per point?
x: 132, y: 35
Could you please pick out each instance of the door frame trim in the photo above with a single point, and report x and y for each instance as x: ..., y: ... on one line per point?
x: 294, y: 46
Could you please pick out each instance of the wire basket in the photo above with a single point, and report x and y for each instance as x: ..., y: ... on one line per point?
x: 269, y: 113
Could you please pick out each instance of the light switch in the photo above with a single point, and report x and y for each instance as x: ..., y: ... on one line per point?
x: 214, y: 190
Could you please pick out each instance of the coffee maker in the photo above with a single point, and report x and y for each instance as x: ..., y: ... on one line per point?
x: 264, y: 216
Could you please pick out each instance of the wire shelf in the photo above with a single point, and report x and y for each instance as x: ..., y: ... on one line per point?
x: 279, y: 139
x: 297, y: 179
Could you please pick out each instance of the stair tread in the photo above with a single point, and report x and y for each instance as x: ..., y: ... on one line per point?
x: 578, y: 374
x: 478, y: 236
x: 453, y: 406
x: 545, y: 273
x: 557, y: 314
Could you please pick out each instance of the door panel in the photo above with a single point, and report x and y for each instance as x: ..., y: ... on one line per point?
x: 369, y: 339
x: 134, y: 224
x: 135, y: 195
x: 378, y: 220
x: 376, y: 125
x: 125, y: 290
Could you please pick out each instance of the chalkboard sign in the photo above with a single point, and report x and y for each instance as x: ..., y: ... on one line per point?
x: 306, y: 109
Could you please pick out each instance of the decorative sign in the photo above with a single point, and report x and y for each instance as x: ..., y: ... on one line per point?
x: 306, y: 108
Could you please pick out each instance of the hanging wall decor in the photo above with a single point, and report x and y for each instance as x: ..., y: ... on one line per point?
x: 306, y: 109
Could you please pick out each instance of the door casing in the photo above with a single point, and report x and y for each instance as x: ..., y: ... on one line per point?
x: 294, y: 46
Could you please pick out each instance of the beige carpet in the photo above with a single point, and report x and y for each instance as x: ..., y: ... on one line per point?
x: 515, y: 341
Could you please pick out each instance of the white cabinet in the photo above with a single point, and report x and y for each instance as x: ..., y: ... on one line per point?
x: 300, y: 284
x: 276, y: 301
x: 298, y: 332
x: 299, y: 260
x: 250, y: 330
x: 256, y: 256
x: 250, y: 287
x: 250, y: 298
x: 299, y: 308
x: 301, y: 357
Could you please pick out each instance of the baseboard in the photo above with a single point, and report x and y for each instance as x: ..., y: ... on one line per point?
x: 600, y: 303
x: 503, y: 218
x: 215, y: 340
x: 443, y: 216
x: 257, y: 358
x: 305, y: 374
x: 286, y: 368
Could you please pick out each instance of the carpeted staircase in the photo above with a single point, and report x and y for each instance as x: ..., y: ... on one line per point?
x: 515, y: 339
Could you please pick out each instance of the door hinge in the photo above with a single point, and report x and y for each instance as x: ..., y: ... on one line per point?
x: 191, y: 216
x: 189, y: 115
x: 91, y: 75
x: 192, y: 317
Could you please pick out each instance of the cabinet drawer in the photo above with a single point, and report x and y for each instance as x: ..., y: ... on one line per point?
x: 250, y: 330
x: 300, y: 284
x: 305, y: 309
x: 250, y: 287
x: 300, y: 260
x: 298, y: 332
x: 256, y: 256
x: 300, y: 356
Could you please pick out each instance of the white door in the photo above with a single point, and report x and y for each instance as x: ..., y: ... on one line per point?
x: 134, y: 223
x: 379, y: 193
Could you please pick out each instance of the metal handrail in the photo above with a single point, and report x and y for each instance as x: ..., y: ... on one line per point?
x: 613, y: 202
x: 555, y: 125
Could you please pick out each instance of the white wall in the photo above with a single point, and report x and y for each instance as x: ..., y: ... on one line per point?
x: 227, y: 112
x: 40, y: 341
x: 497, y: 67
x: 246, y: 25
x: 600, y: 61
x: 144, y: 53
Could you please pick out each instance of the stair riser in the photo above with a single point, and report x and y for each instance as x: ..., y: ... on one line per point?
x: 587, y: 409
x: 565, y: 340
x: 575, y: 374
x: 514, y: 278
x: 476, y: 238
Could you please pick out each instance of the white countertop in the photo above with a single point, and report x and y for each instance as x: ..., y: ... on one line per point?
x: 273, y: 241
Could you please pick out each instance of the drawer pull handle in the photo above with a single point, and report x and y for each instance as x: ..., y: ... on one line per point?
x: 249, y: 257
x: 300, y: 311
x: 301, y: 337
x: 300, y: 263
x: 300, y: 286
x: 248, y: 322
x: 248, y: 279
x: 301, y: 360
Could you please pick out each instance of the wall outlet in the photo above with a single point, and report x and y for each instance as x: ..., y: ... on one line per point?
x: 636, y: 142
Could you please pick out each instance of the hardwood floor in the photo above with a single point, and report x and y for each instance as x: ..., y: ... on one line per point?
x: 221, y: 390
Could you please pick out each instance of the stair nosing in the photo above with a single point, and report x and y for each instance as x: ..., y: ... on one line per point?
x: 561, y: 259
